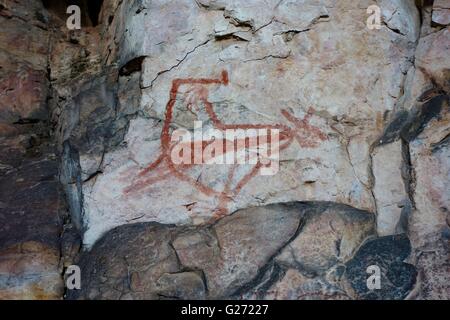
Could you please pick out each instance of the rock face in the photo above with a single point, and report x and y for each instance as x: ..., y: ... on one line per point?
x: 147, y: 260
x: 32, y: 206
x: 261, y: 47
x: 387, y: 253
x: 230, y: 262
x: 345, y: 228
x: 362, y: 176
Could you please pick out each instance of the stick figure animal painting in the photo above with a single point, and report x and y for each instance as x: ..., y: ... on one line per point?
x: 193, y: 93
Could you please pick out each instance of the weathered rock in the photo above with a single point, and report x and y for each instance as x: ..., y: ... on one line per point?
x: 262, y: 47
x: 387, y: 253
x: 330, y: 235
x: 431, y: 59
x: 184, y: 285
x: 429, y: 157
x: 74, y: 54
x: 32, y: 206
x: 364, y: 113
x: 441, y: 12
x: 295, y: 286
x: 433, y: 267
x: 32, y: 203
x: 29, y: 270
x: 139, y: 261
x: 25, y: 92
x: 32, y: 210
x: 429, y: 226
x: 230, y: 261
x: 234, y: 257
x: 430, y: 75
x: 70, y: 245
x: 389, y: 188
x: 26, y: 38
x: 402, y: 17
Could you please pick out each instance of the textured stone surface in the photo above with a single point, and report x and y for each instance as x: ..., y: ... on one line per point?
x: 27, y: 38
x: 429, y: 157
x: 262, y: 47
x: 31, y: 201
x: 150, y: 261
x: 432, y: 61
x: 401, y: 16
x: 230, y: 261
x: 295, y: 286
x: 389, y: 188
x: 29, y: 271
x: 241, y: 256
x: 429, y: 224
x: 387, y: 253
x: 330, y: 235
x: 363, y: 177
x: 441, y: 12
x: 128, y: 263
x: 434, y: 269
x: 32, y: 206
x: 187, y: 285
x: 24, y: 92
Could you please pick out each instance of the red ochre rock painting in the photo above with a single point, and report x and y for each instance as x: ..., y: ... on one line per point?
x: 301, y: 131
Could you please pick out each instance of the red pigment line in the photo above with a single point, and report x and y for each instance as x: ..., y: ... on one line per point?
x: 210, y: 111
x: 152, y: 166
x: 206, y: 190
x: 306, y: 129
x: 137, y: 186
x: 225, y: 143
x: 224, y: 197
x: 246, y: 179
x: 286, y: 144
x: 286, y: 134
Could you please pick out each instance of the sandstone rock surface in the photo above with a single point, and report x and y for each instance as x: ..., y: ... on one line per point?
x: 86, y: 177
x: 32, y: 206
x: 262, y: 47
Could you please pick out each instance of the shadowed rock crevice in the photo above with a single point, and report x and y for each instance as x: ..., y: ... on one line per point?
x: 32, y: 204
